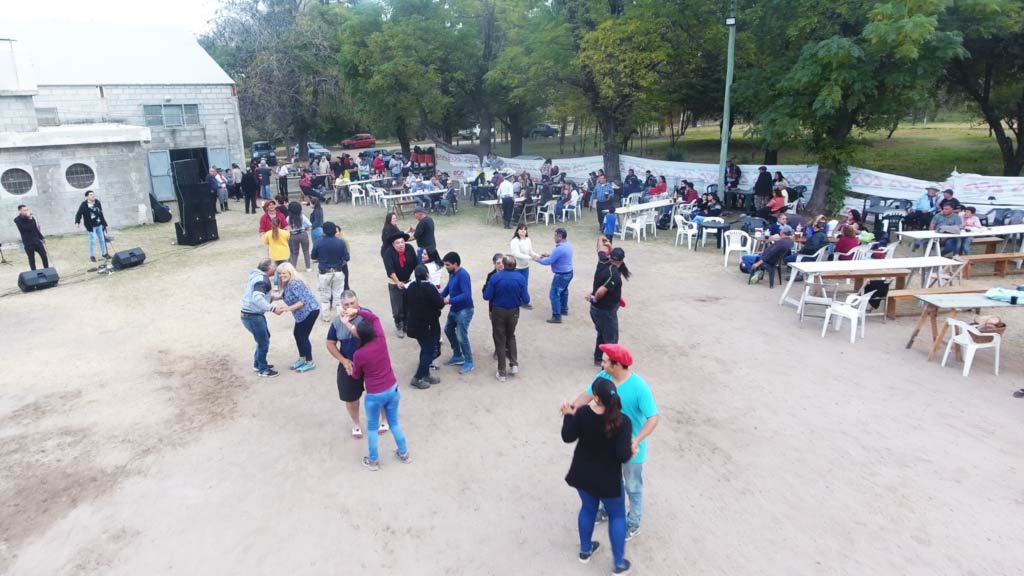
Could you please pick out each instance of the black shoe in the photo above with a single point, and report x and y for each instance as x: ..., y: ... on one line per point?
x: 528, y: 306
x: 269, y: 366
x: 554, y: 320
x: 93, y: 258
x: 106, y: 256
x: 594, y: 545
x: 419, y: 383
x: 268, y: 373
x: 432, y: 379
x: 624, y: 569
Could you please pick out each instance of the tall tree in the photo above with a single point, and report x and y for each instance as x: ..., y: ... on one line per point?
x: 990, y: 73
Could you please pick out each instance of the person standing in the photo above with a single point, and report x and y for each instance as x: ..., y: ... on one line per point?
x: 331, y: 255
x: 213, y: 185
x: 459, y: 295
x: 604, y: 197
x: 506, y: 195
x: 282, y: 179
x: 299, y: 300
x: 423, y: 304
x: 560, y: 261
x: 342, y: 345
x: 236, y: 182
x: 256, y: 303
x: 372, y: 363
x: 399, y: 264
x: 32, y: 239
x: 222, y: 190
x: 763, y: 185
x: 423, y: 233
x: 638, y: 405
x: 299, y: 228
x: 265, y: 179
x: 276, y: 240
x: 521, y: 248
x: 316, y: 219
x: 90, y: 211
x: 250, y: 188
x: 506, y: 291
x: 606, y: 295
x: 602, y: 435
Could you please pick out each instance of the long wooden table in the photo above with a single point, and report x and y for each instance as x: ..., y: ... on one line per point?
x: 934, y: 238
x: 952, y: 302
x: 643, y: 207
x: 810, y: 268
x: 396, y: 201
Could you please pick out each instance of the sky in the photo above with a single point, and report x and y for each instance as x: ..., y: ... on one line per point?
x: 192, y: 15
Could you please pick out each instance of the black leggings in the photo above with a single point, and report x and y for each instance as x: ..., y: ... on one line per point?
x: 301, y: 333
x: 31, y: 250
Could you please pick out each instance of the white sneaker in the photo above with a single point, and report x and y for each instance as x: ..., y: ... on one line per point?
x: 514, y: 369
x: 499, y: 376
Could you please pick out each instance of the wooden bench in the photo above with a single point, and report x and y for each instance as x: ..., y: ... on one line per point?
x: 991, y: 243
x: 899, y: 275
x: 908, y: 294
x: 1000, y: 261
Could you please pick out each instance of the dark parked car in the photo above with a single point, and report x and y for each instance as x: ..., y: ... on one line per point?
x: 542, y: 129
x: 316, y: 150
x: 359, y: 141
x: 369, y: 154
x: 263, y: 150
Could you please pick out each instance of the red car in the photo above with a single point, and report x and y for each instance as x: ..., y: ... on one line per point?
x: 359, y: 141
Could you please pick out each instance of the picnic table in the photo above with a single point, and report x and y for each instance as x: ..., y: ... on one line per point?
x: 748, y: 198
x: 643, y: 207
x: 810, y: 268
x: 494, y: 207
x: 718, y: 227
x: 341, y: 190
x: 954, y: 303
x: 396, y: 201
x: 934, y: 238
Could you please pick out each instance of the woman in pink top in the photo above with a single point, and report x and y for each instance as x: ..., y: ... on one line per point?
x: 848, y: 242
x: 971, y: 222
x: 372, y: 363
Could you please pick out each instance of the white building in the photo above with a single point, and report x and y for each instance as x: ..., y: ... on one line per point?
x: 106, y: 110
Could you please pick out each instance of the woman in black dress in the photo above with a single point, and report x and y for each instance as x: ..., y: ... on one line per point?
x: 604, y: 444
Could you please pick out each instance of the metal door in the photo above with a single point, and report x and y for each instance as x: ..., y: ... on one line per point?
x: 218, y: 158
x: 160, y: 175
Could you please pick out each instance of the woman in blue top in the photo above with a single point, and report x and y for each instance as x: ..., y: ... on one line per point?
x: 303, y: 305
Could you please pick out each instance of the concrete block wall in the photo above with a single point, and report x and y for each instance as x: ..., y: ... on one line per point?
x: 17, y: 114
x: 122, y: 185
x: 123, y: 103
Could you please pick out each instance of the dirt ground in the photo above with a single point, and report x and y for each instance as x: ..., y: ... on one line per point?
x: 135, y: 439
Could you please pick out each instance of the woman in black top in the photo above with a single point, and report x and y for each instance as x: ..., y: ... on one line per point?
x: 423, y: 306
x: 604, y: 435
x: 389, y: 230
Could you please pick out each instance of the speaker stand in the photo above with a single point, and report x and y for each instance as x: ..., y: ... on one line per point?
x: 2, y: 259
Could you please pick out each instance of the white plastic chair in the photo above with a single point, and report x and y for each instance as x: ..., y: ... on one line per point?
x: 632, y: 199
x: 830, y: 229
x: 651, y: 221
x: 572, y: 208
x: 685, y: 228
x: 737, y: 241
x: 854, y: 309
x: 547, y: 211
x: 357, y: 192
x: 704, y: 231
x: 963, y: 335
x: 637, y: 225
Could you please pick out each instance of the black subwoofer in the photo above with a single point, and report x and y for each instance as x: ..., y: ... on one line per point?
x: 128, y: 258
x: 38, y: 279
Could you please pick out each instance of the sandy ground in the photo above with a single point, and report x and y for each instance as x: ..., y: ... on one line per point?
x: 134, y: 438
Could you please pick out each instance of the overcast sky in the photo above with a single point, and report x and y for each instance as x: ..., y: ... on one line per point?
x: 190, y: 15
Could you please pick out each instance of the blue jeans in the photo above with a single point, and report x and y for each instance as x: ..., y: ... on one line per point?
x: 616, y: 509
x: 966, y: 245
x: 96, y: 235
x: 265, y: 191
x: 316, y: 234
x: 374, y: 403
x: 457, y: 331
x: 526, y: 275
x: 559, y: 294
x: 633, y: 482
x: 952, y: 245
x: 257, y: 324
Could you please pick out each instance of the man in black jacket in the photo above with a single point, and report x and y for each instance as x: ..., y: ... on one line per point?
x: 250, y: 188
x: 91, y: 212
x: 423, y: 306
x: 399, y: 263
x: 763, y: 185
x: 31, y: 238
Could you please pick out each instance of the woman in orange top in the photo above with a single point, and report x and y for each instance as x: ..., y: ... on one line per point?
x: 774, y: 207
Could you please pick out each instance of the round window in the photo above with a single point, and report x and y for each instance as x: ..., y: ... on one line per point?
x: 16, y: 181
x: 80, y: 176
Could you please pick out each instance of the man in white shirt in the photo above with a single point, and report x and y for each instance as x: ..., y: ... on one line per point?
x: 506, y: 195
x: 282, y: 179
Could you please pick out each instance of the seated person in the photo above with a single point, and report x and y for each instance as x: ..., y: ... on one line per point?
x: 817, y: 240
x: 713, y: 207
x: 774, y: 207
x: 658, y: 190
x: 947, y: 198
x: 774, y: 255
x: 782, y: 220
x: 853, y: 218
x: 847, y: 242
x: 971, y: 221
x: 564, y: 199
x: 450, y: 201
x: 690, y: 193
x: 631, y: 184
x: 946, y: 222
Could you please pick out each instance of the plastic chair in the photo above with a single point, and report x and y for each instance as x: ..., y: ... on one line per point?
x: 357, y: 192
x: 572, y: 208
x: 685, y: 228
x: 632, y: 199
x: 830, y: 230
x: 737, y: 241
x: 966, y: 337
x: 854, y: 309
x: 548, y: 211
x: 638, y: 225
x: 704, y: 233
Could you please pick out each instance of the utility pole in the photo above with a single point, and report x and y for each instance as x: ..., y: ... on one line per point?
x: 726, y: 112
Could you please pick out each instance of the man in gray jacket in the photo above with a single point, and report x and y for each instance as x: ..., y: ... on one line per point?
x: 256, y: 303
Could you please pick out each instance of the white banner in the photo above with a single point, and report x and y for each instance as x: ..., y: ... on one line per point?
x: 458, y: 166
x: 970, y: 189
x: 795, y: 174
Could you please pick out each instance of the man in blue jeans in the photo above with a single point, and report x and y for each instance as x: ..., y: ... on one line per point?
x: 256, y: 303
x: 560, y: 261
x: 459, y: 295
x: 638, y: 405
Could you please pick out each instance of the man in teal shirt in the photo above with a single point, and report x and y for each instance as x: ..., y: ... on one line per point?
x: 638, y: 405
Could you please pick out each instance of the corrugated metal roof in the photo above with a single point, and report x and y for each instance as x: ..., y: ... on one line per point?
x: 102, y: 54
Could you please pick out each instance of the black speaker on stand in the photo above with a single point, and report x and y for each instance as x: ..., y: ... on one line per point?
x: 198, y: 212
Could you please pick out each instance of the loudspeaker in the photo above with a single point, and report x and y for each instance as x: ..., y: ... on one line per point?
x: 128, y: 258
x: 185, y: 172
x: 38, y: 279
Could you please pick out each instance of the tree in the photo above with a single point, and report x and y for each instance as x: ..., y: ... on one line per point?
x: 990, y: 72
x: 863, y: 66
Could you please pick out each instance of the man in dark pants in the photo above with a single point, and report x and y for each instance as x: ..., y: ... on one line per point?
x: 423, y: 233
x: 256, y: 303
x: 606, y: 296
x: 399, y: 264
x: 423, y: 304
x: 31, y: 238
x: 506, y: 292
x: 250, y: 188
x: 506, y: 195
x: 214, y: 185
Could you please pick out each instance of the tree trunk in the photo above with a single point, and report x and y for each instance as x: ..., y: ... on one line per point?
x: 302, y: 135
x: 561, y: 135
x: 771, y: 156
x: 515, y: 134
x: 816, y: 205
x: 402, y: 132
x: 610, y: 152
x: 486, y: 123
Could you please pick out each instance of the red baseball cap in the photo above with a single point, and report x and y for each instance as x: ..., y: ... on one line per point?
x: 617, y: 353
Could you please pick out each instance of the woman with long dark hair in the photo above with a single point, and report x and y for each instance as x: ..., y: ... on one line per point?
x: 521, y: 248
x: 298, y: 228
x: 389, y: 230
x: 316, y: 218
x: 603, y: 443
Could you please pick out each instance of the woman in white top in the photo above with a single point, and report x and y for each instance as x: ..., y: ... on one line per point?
x: 522, y: 249
x: 432, y: 261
